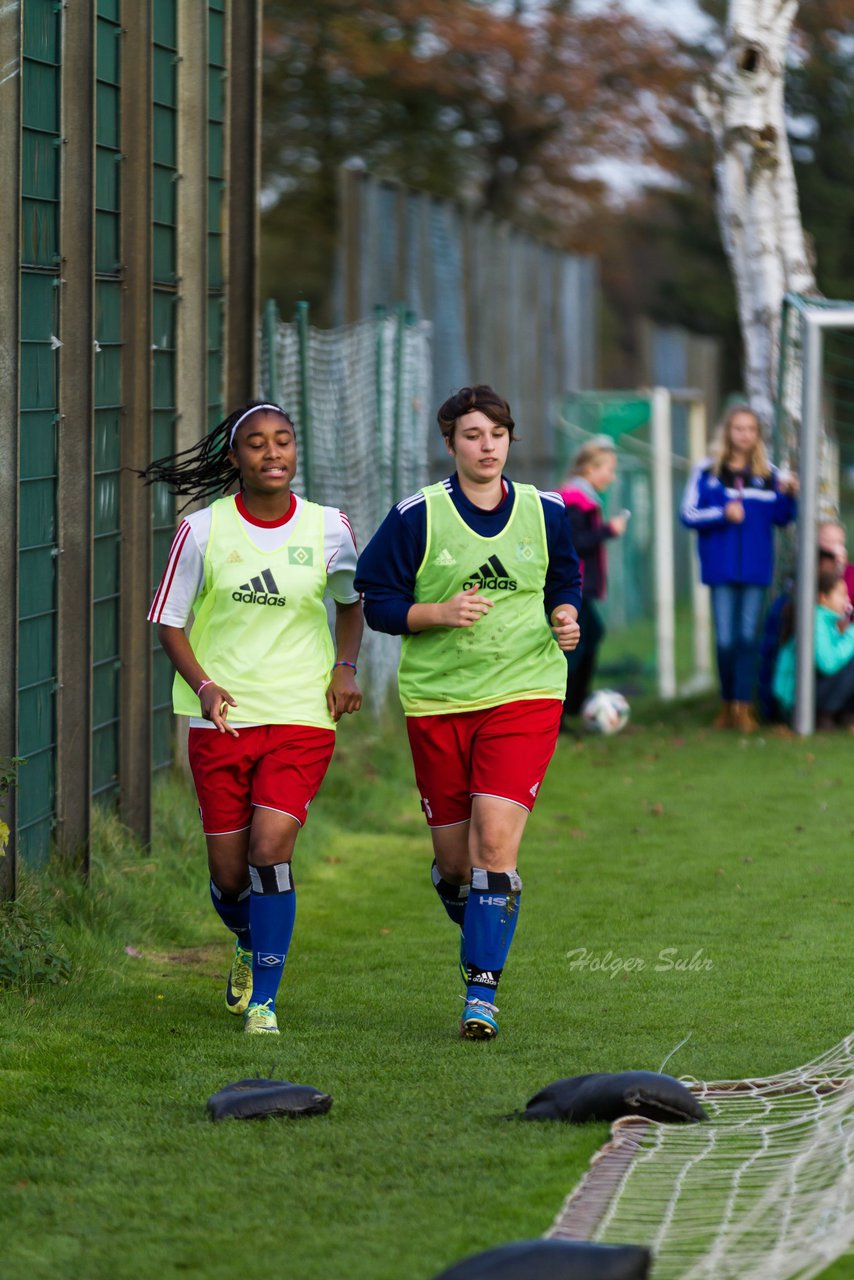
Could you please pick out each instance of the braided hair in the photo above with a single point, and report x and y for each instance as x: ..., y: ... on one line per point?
x: 205, y: 468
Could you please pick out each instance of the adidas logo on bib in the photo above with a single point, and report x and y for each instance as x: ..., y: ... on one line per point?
x: 261, y: 589
x: 492, y: 576
x: 444, y: 558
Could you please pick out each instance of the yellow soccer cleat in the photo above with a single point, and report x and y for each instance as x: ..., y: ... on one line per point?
x: 260, y: 1020
x: 238, y: 991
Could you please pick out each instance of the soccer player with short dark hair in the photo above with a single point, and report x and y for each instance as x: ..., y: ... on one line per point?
x: 480, y: 578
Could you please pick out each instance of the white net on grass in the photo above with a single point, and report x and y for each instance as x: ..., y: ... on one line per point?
x: 359, y: 397
x: 764, y: 1189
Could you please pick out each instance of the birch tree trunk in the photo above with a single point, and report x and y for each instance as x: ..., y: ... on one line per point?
x: 757, y: 197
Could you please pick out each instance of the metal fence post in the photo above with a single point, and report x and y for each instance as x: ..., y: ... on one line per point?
x: 805, y: 586
x: 304, y: 395
x: 379, y: 363
x: 10, y: 147
x: 399, y: 338
x: 700, y: 598
x: 662, y: 502
x: 271, y: 344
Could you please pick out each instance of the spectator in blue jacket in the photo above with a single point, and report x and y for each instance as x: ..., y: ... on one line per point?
x: 734, y: 499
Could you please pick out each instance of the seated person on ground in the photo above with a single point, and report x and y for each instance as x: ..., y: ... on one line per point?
x: 834, y: 656
x: 832, y: 541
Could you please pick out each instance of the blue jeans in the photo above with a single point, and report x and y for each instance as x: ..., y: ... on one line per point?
x: 737, y: 610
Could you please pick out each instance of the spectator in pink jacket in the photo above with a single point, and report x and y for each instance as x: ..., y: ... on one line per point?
x: 592, y: 470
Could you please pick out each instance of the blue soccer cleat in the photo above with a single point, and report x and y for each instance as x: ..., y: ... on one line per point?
x: 479, y: 1021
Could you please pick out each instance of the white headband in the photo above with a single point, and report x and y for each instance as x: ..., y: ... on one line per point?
x: 256, y: 408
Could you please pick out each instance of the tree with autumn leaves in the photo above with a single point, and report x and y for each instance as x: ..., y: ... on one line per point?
x: 580, y: 128
x: 519, y: 111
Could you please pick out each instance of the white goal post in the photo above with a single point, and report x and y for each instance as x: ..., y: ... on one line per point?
x: 816, y: 317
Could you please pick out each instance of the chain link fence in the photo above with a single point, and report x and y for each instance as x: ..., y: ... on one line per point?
x: 360, y: 398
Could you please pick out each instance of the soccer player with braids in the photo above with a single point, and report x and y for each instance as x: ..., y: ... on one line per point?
x: 480, y: 578
x: 258, y: 676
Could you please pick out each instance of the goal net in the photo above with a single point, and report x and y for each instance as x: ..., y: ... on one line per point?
x: 359, y: 398
x: 814, y: 432
x: 764, y: 1189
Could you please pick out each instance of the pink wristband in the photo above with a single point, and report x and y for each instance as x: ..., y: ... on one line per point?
x: 202, y: 685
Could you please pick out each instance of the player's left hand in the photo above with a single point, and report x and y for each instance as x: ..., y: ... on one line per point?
x: 343, y: 695
x: 565, y: 627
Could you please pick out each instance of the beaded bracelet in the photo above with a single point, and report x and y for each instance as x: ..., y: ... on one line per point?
x: 345, y: 663
x: 202, y: 685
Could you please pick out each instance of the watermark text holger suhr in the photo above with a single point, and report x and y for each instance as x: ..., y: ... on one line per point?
x: 668, y: 960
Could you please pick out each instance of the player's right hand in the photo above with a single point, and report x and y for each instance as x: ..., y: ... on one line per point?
x: 734, y: 512
x: 215, y: 702
x: 464, y: 609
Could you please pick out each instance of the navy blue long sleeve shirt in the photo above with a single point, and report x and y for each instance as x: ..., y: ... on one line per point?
x: 389, y: 564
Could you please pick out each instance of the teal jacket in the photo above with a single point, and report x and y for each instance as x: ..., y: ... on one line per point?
x: 833, y: 649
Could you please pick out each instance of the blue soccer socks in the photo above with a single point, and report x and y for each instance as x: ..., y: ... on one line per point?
x: 272, y: 910
x: 453, y: 897
x: 490, y: 922
x: 233, y: 911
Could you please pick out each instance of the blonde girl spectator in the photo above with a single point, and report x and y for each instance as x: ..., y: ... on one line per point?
x: 734, y: 500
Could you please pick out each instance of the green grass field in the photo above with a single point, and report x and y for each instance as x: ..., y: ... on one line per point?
x: 667, y: 837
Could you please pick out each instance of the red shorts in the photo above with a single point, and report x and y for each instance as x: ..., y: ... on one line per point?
x: 273, y: 766
x: 503, y: 752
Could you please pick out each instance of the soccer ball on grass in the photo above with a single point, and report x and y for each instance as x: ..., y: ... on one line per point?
x: 605, y: 711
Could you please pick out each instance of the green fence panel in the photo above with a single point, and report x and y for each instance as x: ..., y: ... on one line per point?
x: 165, y: 81
x: 39, y: 233
x: 107, y: 251
x: 39, y: 166
x: 37, y: 523
x: 37, y: 550
x: 35, y: 713
x: 164, y: 197
x: 36, y: 804
x: 108, y: 114
x: 164, y: 221
x: 41, y: 30
x: 165, y: 23
x: 40, y: 102
x: 216, y: 212
x: 216, y: 152
x: 107, y: 37
x: 105, y: 639
x: 108, y: 400
x: 37, y: 453
x: 37, y: 649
